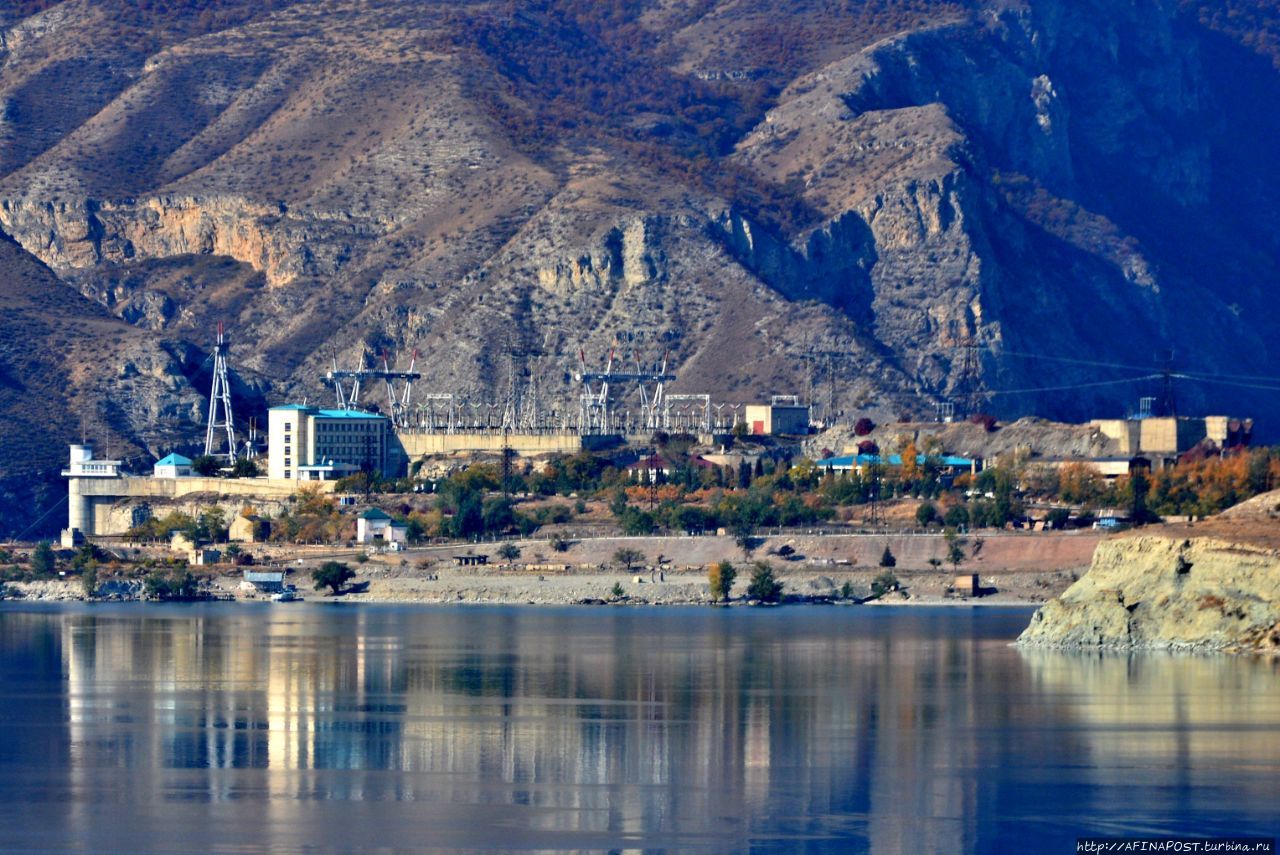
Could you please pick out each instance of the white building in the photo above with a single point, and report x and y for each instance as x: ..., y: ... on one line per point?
x: 375, y: 525
x: 310, y: 444
x: 172, y: 466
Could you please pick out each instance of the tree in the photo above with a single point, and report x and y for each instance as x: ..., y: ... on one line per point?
x: 956, y: 517
x: 332, y: 575
x: 721, y: 577
x: 887, y: 559
x: 863, y: 426
x: 244, y: 468
x: 955, y: 549
x: 616, y: 591
x: 926, y: 514
x: 508, y: 552
x: 206, y: 465
x: 89, y: 580
x: 43, y: 561
x: 764, y: 586
x: 846, y: 591
x: 560, y: 541
x: 628, y: 557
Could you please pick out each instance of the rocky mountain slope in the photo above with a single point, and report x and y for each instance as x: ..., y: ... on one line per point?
x: 1060, y: 183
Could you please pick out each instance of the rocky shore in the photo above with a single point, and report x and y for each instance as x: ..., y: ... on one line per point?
x: 1170, y: 591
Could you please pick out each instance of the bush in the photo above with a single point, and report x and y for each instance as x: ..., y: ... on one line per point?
x: 764, y: 586
x: 887, y: 559
x: 883, y: 584
x: 508, y: 552
x: 177, y: 584
x: 206, y: 465
x: 560, y: 542
x: 721, y: 577
x: 956, y: 517
x: 43, y: 561
x: 846, y: 591
x: 616, y: 592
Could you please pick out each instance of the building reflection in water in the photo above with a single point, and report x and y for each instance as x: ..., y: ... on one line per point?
x: 608, y: 727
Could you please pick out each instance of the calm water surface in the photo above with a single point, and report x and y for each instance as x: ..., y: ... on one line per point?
x: 287, y: 727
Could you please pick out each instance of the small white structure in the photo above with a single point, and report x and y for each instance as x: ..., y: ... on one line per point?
x: 375, y: 525
x: 172, y: 466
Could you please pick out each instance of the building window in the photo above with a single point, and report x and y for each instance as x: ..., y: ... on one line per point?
x: 286, y: 473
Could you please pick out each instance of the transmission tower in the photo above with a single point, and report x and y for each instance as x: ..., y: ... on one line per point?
x: 970, y: 391
x: 220, y: 399
x: 1168, y: 403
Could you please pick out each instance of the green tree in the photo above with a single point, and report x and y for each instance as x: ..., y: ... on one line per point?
x: 244, y: 468
x: 332, y: 575
x: 955, y: 549
x: 846, y: 591
x: 43, y: 561
x: 89, y: 580
x: 206, y: 465
x: 887, y: 559
x: 560, y: 541
x: 957, y: 516
x: 764, y: 586
x: 617, y: 592
x: 508, y: 552
x: 926, y: 513
x: 721, y: 577
x: 628, y: 557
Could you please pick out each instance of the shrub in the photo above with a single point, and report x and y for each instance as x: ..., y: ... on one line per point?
x: 883, y: 584
x: 43, y: 561
x: 616, y: 592
x: 764, y: 586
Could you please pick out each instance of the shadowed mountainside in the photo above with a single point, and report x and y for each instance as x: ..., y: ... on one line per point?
x: 730, y: 181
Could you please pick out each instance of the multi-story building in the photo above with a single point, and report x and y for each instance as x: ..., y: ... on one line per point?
x: 310, y: 444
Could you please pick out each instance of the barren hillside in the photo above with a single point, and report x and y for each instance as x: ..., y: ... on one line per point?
x: 1058, y: 182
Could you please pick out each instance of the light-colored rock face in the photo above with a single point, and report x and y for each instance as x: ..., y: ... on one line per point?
x: 377, y: 177
x: 1161, y: 592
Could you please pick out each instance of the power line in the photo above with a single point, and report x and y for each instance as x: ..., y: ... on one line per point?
x: 1194, y: 378
x: 1074, y: 386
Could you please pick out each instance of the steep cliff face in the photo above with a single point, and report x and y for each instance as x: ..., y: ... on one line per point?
x: 1168, y: 593
x: 1050, y: 180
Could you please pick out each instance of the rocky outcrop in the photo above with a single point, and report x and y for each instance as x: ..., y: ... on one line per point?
x: 1159, y: 592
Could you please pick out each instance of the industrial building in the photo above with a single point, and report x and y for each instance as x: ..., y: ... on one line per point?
x: 310, y: 444
x: 1161, y: 439
x: 784, y: 416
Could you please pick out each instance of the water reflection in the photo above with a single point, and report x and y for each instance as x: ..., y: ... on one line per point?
x: 882, y: 730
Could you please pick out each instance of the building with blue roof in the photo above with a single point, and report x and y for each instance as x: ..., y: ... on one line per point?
x: 314, y: 444
x: 172, y: 466
x: 859, y: 463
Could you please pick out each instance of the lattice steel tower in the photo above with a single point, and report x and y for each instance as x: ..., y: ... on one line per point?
x: 220, y: 399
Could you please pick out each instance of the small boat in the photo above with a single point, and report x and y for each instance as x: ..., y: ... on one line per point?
x: 288, y: 595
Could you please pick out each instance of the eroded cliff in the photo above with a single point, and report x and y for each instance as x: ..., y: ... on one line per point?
x: 1168, y: 592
